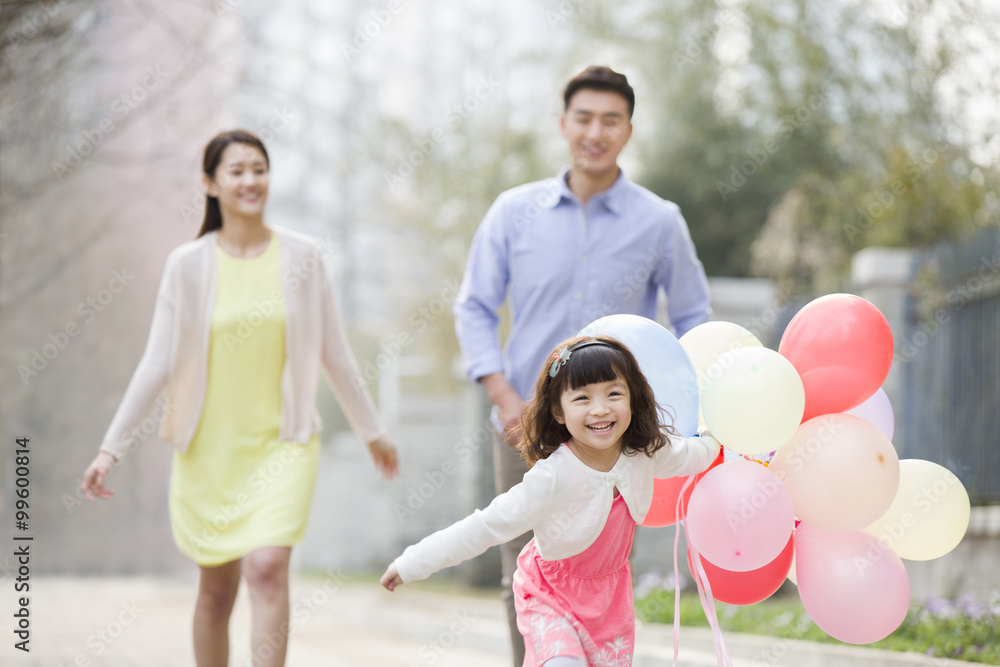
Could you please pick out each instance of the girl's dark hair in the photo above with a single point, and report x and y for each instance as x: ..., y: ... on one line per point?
x: 210, y: 162
x: 586, y: 365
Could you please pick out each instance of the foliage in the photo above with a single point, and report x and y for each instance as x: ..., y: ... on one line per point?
x: 962, y: 630
x: 441, y: 175
x: 836, y: 105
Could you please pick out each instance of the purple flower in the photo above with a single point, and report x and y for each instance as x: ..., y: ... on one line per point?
x: 668, y: 583
x: 647, y: 583
x: 939, y: 608
x: 971, y: 608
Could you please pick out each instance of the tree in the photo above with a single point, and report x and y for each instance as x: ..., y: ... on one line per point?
x: 808, y: 130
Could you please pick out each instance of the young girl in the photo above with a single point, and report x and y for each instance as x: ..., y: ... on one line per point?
x: 594, y: 442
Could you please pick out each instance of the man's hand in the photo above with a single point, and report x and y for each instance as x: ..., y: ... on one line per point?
x: 509, y: 405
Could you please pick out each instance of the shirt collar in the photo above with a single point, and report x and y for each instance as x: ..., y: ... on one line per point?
x: 611, y: 198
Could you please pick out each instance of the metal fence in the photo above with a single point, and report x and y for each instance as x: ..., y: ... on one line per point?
x: 951, y: 363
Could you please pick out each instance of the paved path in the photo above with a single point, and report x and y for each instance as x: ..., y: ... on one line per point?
x: 145, y: 622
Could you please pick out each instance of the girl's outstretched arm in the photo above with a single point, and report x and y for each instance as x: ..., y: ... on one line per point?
x: 391, y: 578
x: 685, y: 456
x: 510, y: 514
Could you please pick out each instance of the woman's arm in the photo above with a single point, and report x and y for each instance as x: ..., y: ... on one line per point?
x: 147, y: 382
x: 350, y: 387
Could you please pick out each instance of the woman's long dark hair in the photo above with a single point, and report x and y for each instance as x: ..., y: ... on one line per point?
x: 213, y: 155
x: 543, y: 435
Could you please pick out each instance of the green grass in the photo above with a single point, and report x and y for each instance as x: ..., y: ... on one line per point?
x: 939, y: 628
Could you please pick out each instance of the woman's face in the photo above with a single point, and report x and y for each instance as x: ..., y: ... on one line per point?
x: 240, y: 182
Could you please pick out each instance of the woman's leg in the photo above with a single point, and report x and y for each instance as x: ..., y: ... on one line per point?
x: 217, y: 588
x: 266, y: 572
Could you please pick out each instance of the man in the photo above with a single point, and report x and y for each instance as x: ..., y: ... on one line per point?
x: 567, y: 251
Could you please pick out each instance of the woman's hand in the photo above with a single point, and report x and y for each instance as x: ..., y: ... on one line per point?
x: 93, y: 479
x: 384, y: 454
x: 391, y: 578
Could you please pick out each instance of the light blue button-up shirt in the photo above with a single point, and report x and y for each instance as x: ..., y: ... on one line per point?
x: 564, y: 264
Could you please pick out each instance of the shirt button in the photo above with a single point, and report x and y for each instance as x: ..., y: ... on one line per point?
x: 577, y: 296
x: 583, y: 258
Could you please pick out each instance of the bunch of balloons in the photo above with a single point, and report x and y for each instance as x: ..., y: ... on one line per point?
x: 813, y: 489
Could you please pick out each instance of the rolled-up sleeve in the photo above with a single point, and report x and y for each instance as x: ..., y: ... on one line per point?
x: 483, y: 291
x: 683, y: 279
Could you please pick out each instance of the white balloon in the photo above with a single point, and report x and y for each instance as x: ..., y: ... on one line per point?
x: 662, y: 360
x: 708, y: 342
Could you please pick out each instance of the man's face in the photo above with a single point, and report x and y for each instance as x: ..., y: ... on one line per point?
x: 597, y: 126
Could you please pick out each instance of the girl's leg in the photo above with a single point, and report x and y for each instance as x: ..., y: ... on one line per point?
x: 266, y: 572
x: 217, y: 588
x: 564, y: 661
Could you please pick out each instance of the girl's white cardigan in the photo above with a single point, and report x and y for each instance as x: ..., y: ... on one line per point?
x: 565, y: 502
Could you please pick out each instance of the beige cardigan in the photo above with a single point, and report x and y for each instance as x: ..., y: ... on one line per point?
x: 176, y: 356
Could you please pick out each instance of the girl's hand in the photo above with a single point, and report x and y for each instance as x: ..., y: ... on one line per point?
x: 384, y: 454
x: 391, y: 578
x: 97, y: 472
x: 705, y: 433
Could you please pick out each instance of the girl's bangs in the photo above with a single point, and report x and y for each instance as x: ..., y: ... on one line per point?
x: 597, y: 363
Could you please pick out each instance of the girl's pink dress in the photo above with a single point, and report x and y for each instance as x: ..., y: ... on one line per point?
x: 580, y: 606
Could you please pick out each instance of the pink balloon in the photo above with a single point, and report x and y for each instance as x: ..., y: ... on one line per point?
x: 841, y: 471
x: 740, y: 516
x: 853, y: 586
x: 877, y: 410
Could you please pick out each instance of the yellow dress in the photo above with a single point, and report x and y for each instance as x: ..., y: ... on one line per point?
x: 238, y: 488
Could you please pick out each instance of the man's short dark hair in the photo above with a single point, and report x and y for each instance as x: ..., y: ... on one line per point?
x: 598, y: 77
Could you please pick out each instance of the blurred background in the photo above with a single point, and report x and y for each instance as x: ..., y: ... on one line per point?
x: 844, y: 146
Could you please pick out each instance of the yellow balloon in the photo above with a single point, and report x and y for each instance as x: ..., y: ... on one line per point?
x: 929, y: 515
x: 752, y: 400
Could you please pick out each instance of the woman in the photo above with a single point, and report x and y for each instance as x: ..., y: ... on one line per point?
x: 244, y: 318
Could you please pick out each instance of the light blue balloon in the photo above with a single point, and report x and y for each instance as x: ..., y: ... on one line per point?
x: 662, y: 360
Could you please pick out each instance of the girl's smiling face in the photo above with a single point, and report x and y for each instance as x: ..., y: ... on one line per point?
x: 596, y: 416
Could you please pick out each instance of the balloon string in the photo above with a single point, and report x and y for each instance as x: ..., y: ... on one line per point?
x: 708, y: 603
x: 678, y: 512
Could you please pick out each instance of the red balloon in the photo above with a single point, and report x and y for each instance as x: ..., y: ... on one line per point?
x: 747, y: 587
x: 663, y: 509
x: 841, y: 345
